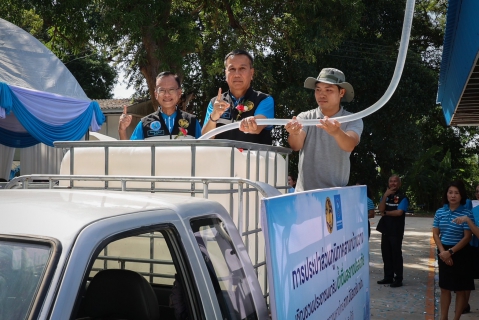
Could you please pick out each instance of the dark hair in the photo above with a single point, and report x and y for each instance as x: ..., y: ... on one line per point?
x: 238, y: 52
x: 169, y: 73
x: 462, y: 191
x: 294, y: 178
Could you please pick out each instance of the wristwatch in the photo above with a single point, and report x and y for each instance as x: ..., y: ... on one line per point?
x: 450, y: 251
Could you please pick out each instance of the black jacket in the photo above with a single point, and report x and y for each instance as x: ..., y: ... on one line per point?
x: 154, y: 125
x: 232, y: 115
x: 393, y: 226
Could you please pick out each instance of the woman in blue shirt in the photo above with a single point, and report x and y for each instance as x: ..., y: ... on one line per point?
x: 452, y: 241
x: 474, y: 243
x: 371, y: 206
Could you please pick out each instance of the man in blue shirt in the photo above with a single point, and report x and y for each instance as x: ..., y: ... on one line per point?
x: 393, y: 207
x: 240, y: 103
x: 168, y: 122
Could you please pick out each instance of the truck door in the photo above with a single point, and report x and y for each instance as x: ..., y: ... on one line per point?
x: 225, y: 269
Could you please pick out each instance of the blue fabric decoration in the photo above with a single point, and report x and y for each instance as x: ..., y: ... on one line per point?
x: 5, y: 97
x: 99, y: 116
x: 17, y: 139
x: 47, y: 117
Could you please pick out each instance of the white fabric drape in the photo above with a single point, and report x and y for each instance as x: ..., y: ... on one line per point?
x: 40, y: 159
x: 6, y: 160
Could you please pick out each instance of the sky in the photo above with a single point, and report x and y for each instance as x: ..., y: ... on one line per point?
x: 120, y: 91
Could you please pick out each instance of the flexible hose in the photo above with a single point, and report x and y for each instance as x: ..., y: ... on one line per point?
x: 401, y: 59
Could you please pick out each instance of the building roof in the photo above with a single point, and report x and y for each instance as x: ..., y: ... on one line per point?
x: 458, y: 91
x: 108, y: 104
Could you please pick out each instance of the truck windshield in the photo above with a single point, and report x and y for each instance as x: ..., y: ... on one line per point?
x: 225, y: 269
x: 22, y: 266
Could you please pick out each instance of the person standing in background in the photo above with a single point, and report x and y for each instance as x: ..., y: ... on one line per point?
x: 371, y: 206
x: 291, y: 183
x: 452, y: 241
x: 474, y: 243
x: 393, y: 207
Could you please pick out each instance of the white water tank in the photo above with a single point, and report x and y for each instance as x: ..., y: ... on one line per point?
x: 180, y: 161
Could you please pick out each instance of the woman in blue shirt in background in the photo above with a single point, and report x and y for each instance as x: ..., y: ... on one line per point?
x: 452, y: 241
x: 474, y: 243
x: 371, y: 209
x: 371, y: 206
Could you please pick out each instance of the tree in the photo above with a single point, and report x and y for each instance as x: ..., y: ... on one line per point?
x: 400, y: 137
x: 147, y: 36
x: 290, y: 42
x: 92, y: 71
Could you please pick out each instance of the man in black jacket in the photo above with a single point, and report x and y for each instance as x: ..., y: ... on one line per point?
x: 240, y: 103
x: 393, y: 207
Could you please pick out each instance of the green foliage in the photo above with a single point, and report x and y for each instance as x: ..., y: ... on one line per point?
x: 94, y: 74
x: 290, y: 41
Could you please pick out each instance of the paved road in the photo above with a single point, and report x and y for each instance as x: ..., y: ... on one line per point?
x: 419, y: 297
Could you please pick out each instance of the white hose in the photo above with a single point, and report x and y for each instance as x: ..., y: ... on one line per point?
x: 401, y: 59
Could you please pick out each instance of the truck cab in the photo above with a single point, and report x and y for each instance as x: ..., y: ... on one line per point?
x: 102, y: 254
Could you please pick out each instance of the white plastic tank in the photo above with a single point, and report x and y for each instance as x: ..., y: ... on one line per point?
x: 177, y: 161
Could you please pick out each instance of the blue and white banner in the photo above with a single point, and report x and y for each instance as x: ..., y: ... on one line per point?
x: 317, y: 254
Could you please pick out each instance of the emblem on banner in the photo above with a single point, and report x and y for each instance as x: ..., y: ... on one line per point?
x: 339, y: 211
x: 328, y: 211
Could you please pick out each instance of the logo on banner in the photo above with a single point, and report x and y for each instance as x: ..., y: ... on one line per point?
x: 328, y: 211
x: 339, y: 212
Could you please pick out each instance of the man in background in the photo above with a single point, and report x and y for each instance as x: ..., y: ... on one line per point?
x: 393, y: 207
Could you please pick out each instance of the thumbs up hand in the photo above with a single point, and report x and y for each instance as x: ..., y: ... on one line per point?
x: 125, y: 119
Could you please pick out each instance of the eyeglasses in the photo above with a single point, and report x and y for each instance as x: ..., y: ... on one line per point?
x: 162, y: 91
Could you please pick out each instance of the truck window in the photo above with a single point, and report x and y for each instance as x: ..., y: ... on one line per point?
x: 147, y: 254
x: 225, y: 269
x: 139, y: 271
x: 22, y: 269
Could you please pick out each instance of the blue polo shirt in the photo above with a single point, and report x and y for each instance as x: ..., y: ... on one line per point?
x: 451, y: 233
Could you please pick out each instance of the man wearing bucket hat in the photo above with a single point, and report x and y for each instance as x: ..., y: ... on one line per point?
x: 325, y: 148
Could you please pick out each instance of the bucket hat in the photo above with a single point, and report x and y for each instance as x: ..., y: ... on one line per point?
x: 332, y: 76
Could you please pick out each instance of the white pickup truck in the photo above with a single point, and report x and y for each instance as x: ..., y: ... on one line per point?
x: 76, y: 254
x: 89, y: 253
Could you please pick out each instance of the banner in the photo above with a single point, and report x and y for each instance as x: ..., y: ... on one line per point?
x: 318, y: 254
